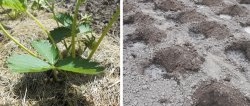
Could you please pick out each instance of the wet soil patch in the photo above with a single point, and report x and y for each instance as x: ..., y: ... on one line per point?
x: 169, y: 5
x: 211, y: 29
x: 190, y: 16
x: 179, y: 59
x: 218, y: 94
x: 147, y: 34
x: 234, y: 10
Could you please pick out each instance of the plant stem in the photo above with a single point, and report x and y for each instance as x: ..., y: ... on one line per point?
x: 105, y: 31
x: 14, y: 40
x: 55, y: 77
x: 74, y: 26
x: 45, y: 30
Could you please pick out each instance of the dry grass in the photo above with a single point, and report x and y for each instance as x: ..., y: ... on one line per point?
x: 36, y: 89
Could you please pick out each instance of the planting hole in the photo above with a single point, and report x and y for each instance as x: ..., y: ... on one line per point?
x: 154, y: 71
x: 239, y: 52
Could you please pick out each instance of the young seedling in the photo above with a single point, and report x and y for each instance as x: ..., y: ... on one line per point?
x: 47, y: 56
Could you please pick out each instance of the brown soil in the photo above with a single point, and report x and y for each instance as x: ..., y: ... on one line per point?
x: 168, y: 5
x: 234, y: 10
x: 148, y: 34
x: 179, y: 59
x: 219, y: 94
x: 190, y: 16
x: 211, y: 29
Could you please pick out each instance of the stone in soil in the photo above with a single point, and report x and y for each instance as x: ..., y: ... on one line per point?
x: 234, y: 10
x: 138, y: 17
x: 179, y: 59
x: 211, y: 29
x: 168, y: 5
x: 148, y: 34
x: 218, y: 94
x: 190, y: 16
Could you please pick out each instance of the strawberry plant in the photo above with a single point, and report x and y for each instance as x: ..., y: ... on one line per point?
x: 48, y: 56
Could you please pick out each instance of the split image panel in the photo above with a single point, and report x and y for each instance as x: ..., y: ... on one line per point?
x: 186, y: 53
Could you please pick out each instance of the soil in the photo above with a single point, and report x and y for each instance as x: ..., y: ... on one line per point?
x: 77, y: 90
x: 187, y: 53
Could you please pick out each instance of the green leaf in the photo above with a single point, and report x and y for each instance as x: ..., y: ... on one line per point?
x: 84, y: 28
x: 14, y: 4
x: 65, y: 19
x: 46, y: 50
x: 38, y: 4
x: 79, y: 65
x: 60, y: 33
x: 27, y: 63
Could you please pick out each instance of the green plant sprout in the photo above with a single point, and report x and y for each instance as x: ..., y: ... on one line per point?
x: 48, y: 56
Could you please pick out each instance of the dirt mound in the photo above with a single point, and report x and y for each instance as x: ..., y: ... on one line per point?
x: 147, y: 34
x: 179, y: 59
x: 244, y: 1
x: 211, y: 29
x: 168, y: 5
x: 243, y: 46
x: 234, y: 10
x: 138, y: 17
x: 218, y: 94
x: 127, y: 7
x: 210, y: 2
x: 190, y: 16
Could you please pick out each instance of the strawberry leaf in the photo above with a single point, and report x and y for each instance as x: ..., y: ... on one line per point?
x: 58, y: 34
x: 46, y: 50
x: 79, y: 65
x: 27, y: 63
x: 65, y: 19
x: 84, y: 28
x: 14, y: 4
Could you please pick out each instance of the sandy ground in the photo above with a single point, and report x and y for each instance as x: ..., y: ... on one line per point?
x: 186, y: 53
x: 78, y: 90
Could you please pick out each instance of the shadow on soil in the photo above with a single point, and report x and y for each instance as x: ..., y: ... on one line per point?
x: 39, y: 87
